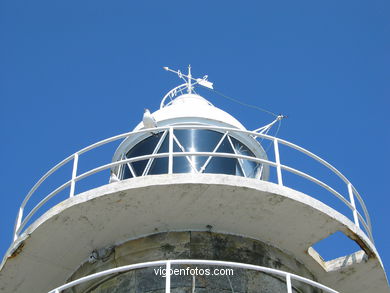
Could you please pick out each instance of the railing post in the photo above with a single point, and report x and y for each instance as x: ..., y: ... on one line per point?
x: 288, y: 283
x: 74, y: 174
x: 18, y: 222
x: 352, y: 200
x: 168, y: 277
x: 170, y: 157
x: 193, y: 284
x: 277, y: 161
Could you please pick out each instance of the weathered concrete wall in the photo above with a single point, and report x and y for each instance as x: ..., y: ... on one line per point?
x: 192, y: 245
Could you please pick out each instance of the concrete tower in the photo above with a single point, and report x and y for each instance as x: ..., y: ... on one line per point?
x: 191, y: 192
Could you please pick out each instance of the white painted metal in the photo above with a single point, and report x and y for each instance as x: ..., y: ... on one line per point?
x: 205, y: 83
x: 51, y: 171
x: 18, y: 222
x: 318, y: 182
x: 277, y: 160
x: 170, y: 147
x: 352, y: 200
x: 193, y: 284
x: 168, y: 263
x: 172, y: 93
x: 40, y: 204
x: 288, y: 283
x: 264, y: 129
x: 131, y: 169
x: 189, y: 80
x: 167, y: 277
x: 74, y: 174
x: 183, y: 150
x: 156, y: 149
x: 214, y: 151
x: 239, y: 160
x: 365, y: 221
x: 360, y: 199
x: 202, y: 81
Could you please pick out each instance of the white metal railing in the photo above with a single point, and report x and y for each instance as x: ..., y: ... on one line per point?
x: 349, y: 200
x: 173, y: 93
x: 288, y: 277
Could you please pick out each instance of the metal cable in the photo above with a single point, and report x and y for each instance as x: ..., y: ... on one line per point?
x: 242, y: 103
x: 275, y: 135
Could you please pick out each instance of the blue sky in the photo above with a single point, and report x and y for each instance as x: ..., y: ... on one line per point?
x: 75, y: 72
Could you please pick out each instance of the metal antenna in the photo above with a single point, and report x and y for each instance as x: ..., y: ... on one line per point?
x: 201, y: 81
x: 189, y: 79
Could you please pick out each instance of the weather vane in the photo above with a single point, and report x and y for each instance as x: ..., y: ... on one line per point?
x: 189, y: 79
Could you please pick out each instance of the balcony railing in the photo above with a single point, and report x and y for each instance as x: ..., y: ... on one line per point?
x: 287, y: 278
x: 348, y: 199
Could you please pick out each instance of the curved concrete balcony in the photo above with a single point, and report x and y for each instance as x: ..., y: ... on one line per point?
x: 245, y: 161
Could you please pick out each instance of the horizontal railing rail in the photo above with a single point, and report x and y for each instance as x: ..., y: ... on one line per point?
x: 288, y: 277
x: 348, y: 201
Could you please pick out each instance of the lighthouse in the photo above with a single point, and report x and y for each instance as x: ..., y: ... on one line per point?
x: 191, y: 201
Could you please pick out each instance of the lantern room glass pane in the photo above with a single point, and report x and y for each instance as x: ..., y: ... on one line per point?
x: 193, y: 140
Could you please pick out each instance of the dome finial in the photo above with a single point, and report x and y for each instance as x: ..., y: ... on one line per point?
x: 188, y: 79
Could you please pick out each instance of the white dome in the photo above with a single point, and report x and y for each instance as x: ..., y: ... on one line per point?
x: 191, y: 108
